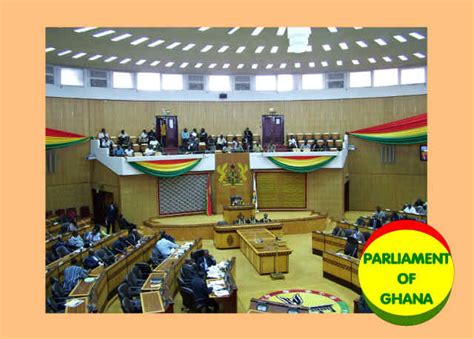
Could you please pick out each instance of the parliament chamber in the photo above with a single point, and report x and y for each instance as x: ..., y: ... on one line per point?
x: 226, y: 187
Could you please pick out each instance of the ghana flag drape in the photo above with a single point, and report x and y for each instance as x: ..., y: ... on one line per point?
x: 208, y: 196
x: 413, y: 130
x: 59, y: 139
x: 303, y: 164
x: 166, y: 168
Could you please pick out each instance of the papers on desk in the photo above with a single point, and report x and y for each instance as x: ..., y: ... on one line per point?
x: 89, y: 279
x: 73, y: 302
x: 215, y: 273
x: 221, y: 293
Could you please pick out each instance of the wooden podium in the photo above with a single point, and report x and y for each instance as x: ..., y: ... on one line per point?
x: 231, y: 213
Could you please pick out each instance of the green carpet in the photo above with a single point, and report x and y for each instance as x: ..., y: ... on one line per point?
x: 306, y: 272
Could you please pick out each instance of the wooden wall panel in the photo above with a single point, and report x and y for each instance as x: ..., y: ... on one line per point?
x: 326, y: 192
x: 281, y: 190
x: 105, y: 180
x: 68, y: 195
x: 138, y: 197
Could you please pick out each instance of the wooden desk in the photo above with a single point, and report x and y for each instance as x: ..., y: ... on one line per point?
x: 274, y: 307
x: 231, y: 213
x: 329, y: 243
x: 147, y: 285
x: 82, y: 289
x: 228, y: 303
x: 347, y: 225
x: 225, y: 236
x: 152, y: 302
x: 266, y: 257
x: 81, y: 308
x: 342, y: 269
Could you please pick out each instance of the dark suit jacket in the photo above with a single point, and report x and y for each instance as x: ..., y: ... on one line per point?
x: 209, y: 260
x: 111, y: 214
x: 90, y: 262
x: 200, y: 289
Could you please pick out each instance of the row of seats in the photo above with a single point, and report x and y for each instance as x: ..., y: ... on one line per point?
x: 70, y: 213
x: 314, y: 136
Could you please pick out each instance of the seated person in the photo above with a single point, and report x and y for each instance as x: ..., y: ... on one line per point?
x: 123, y: 138
x: 203, y: 135
x: 257, y: 147
x: 72, y: 275
x: 292, y: 143
x: 338, y: 231
x: 358, y: 235
x: 418, y: 202
x: 194, y: 133
x: 149, y: 151
x: 143, y: 138
x: 165, y: 246
x: 379, y: 213
x: 156, y: 257
x: 201, y: 292
x: 185, y: 137
x: 92, y: 261
x: 210, y: 144
x: 360, y: 221
x: 266, y: 219
x: 103, y: 134
x: 151, y: 134
x: 409, y: 209
x: 193, y: 144
x: 106, y: 142
x: 59, y: 243
x: 119, y: 246
x: 420, y: 210
x: 305, y: 147
x: 221, y: 142
x: 248, y: 140
x: 133, y: 234
x: 119, y: 152
x: 129, y: 151
x: 68, y: 226
x: 123, y: 223
x: 154, y: 144
x: 271, y: 147
x: 235, y: 145
x: 93, y: 236
x: 188, y: 271
x: 394, y: 216
x: 75, y: 241
x: 165, y: 235
x: 205, y: 261
x: 351, y: 247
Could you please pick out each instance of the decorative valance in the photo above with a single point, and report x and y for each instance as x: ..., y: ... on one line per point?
x: 60, y: 139
x: 301, y: 164
x: 166, y: 168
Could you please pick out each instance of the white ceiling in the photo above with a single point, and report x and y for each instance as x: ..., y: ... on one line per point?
x: 214, y: 50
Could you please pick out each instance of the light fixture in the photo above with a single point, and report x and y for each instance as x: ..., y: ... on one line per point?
x: 84, y: 29
x: 110, y: 59
x: 343, y: 45
x: 324, y: 63
x: 298, y: 39
x: 355, y: 62
x: 387, y: 59
x: 121, y: 37
x: 372, y: 60
x: 173, y: 45
x: 169, y: 64
x: 339, y: 62
x: 156, y: 43
x: 380, y: 42
x: 125, y: 61
x: 257, y: 31
x: 79, y: 55
x: 140, y: 62
x: 332, y: 29
x: 297, y: 65
x: 67, y: 51
x: 233, y: 30
x: 184, y: 65
x: 269, y: 66
x: 283, y: 66
x: 49, y: 49
x: 139, y: 41
x: 400, y: 38
x: 326, y: 47
x: 203, y: 29
x: 361, y: 43
x: 402, y: 57
x: 188, y: 47
x: 417, y: 36
x: 103, y: 33
x: 206, y: 48
x: 240, y: 66
x: 281, y: 31
x: 95, y: 57
x: 198, y: 65
x: 240, y: 49
x: 274, y: 49
x: 225, y: 66
x: 419, y: 55
x: 155, y: 63
x: 254, y: 66
x: 213, y: 65
x: 223, y: 49
x: 311, y: 64
x: 259, y: 49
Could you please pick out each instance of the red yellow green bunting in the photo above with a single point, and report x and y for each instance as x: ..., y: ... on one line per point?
x: 60, y: 139
x: 301, y: 164
x: 166, y: 168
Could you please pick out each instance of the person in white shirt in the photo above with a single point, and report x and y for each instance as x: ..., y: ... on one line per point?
x: 106, y: 142
x: 221, y: 142
x: 75, y: 240
x: 129, y: 151
x: 194, y: 133
x: 165, y: 246
x: 153, y: 144
x: 143, y: 138
x: 410, y: 209
x: 292, y: 142
x: 123, y: 138
x: 149, y: 151
x: 306, y: 146
x: 103, y: 134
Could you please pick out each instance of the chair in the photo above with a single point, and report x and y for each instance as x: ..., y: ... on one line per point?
x: 133, y: 281
x: 338, y: 144
x: 144, y: 268
x: 189, y: 301
x: 326, y: 135
x: 60, y: 213
x: 49, y: 214
x: 335, y: 135
x: 71, y: 213
x: 124, y: 291
x: 84, y: 212
x: 348, y: 233
x: 129, y: 307
x: 62, y: 251
x: 50, y: 257
x: 366, y: 235
x: 138, y: 273
x: 54, y: 307
x: 105, y: 257
x: 317, y: 136
x: 330, y: 143
x: 58, y: 292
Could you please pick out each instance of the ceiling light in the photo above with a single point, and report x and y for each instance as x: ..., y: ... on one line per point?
x: 400, y: 38
x: 332, y: 29
x: 223, y: 49
x: 324, y: 63
x: 154, y: 63
x: 297, y: 65
x: 140, y: 62
x: 402, y: 57
x: 259, y: 49
x: 156, y: 43
x: 173, y: 45
x: 326, y: 47
x: 417, y: 35
x: 203, y: 29
x: 387, y: 59
x: 212, y: 65
x: 184, y: 65
x: 125, y: 61
x: 233, y: 30
x: 343, y: 45
x: 188, y: 47
x: 240, y: 66
x: 419, y: 55
x: 95, y: 57
x: 198, y: 65
x: 355, y: 62
x: 103, y: 33
x: 121, y: 37
x: 269, y: 66
x: 274, y: 49
x: 139, y: 41
x: 339, y: 62
x: 372, y: 60
x: 283, y: 65
x: 79, y: 55
x: 84, y: 29
x: 254, y: 66
x: 169, y: 64
x: 357, y: 27
x: 206, y: 48
x: 361, y: 43
x: 311, y: 64
x: 257, y: 31
x: 381, y: 42
x: 298, y: 39
x: 67, y: 51
x: 281, y: 31
x: 49, y: 49
x: 109, y: 59
x: 240, y: 49
x: 225, y: 66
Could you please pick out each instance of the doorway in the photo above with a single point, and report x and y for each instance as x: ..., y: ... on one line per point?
x: 100, y: 200
x: 273, y: 129
x: 346, y: 196
x: 171, y: 123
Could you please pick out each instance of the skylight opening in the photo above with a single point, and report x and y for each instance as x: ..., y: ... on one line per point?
x: 281, y: 31
x: 355, y: 62
x: 332, y: 29
x: 139, y: 41
x: 206, y: 48
x: 257, y: 31
x: 380, y: 42
x: 311, y: 64
x: 103, y: 33
x: 269, y: 66
x: 67, y: 51
x: 417, y: 35
x: 173, y: 45
x: 213, y: 65
x: 259, y: 49
x: 95, y: 57
x: 233, y: 30
x: 324, y: 63
x: 110, y: 59
x: 198, y: 65
x: 223, y: 49
x: 297, y: 65
x: 79, y: 55
x: 274, y: 49
x: 188, y: 47
x: 283, y: 66
x: 387, y: 59
x: 225, y: 66
x: 121, y: 37
x: 419, y: 55
x: 240, y: 66
x: 372, y: 60
x: 254, y: 66
x: 240, y: 49
x: 125, y: 61
x: 402, y: 57
x: 203, y: 29
x: 339, y: 62
x: 362, y: 44
x: 326, y: 47
x: 400, y: 38
x: 50, y: 49
x: 84, y: 29
x: 343, y: 45
x: 155, y: 63
x: 140, y: 62
x: 169, y: 64
x: 156, y: 43
x: 184, y: 65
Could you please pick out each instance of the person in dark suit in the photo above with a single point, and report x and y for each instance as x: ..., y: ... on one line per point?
x: 92, y: 261
x: 119, y: 246
x: 124, y: 224
x: 111, y: 213
x: 205, y: 261
x: 201, y: 293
